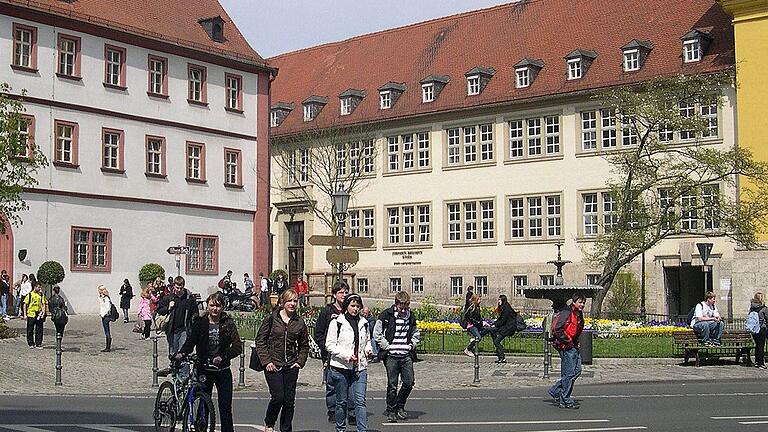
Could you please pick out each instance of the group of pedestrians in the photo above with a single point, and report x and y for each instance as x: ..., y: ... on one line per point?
x: 505, y: 324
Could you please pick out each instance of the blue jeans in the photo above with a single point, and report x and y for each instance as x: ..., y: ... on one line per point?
x: 105, y: 321
x: 3, y: 305
x: 175, y: 342
x: 708, y: 330
x: 330, y: 394
x: 351, y: 386
x: 570, y: 369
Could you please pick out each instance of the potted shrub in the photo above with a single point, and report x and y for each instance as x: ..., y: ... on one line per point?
x: 49, y: 274
x: 149, y: 272
x: 273, y: 277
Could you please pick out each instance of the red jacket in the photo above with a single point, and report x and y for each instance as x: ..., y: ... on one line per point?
x: 301, y: 287
x: 567, y: 326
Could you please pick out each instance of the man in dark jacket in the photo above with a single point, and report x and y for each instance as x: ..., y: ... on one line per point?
x: 566, y: 328
x: 182, y: 307
x: 328, y: 314
x: 505, y: 325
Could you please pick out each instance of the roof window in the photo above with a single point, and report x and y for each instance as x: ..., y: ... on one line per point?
x: 431, y: 87
x: 312, y: 106
x: 695, y: 45
x: 578, y: 62
x: 214, y: 27
x: 635, y: 53
x: 526, y: 71
x: 477, y: 79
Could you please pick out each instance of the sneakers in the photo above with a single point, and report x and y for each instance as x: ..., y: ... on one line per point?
x: 268, y: 429
x: 468, y: 353
x: 500, y: 361
x: 708, y: 344
x: 762, y: 366
x: 572, y: 405
x: 402, y: 414
x: 332, y: 417
x: 39, y: 347
x: 715, y: 343
x: 352, y: 421
x: 391, y: 417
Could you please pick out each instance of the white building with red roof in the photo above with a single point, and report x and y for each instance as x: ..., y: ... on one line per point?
x: 154, y: 118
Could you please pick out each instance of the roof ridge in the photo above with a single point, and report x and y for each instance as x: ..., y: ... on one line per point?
x: 406, y: 26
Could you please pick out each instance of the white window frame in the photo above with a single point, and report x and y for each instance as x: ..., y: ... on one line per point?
x: 273, y: 119
x: 361, y: 223
x: 362, y: 285
x: 408, y: 225
x: 385, y: 99
x: 308, y: 112
x: 523, y: 77
x: 575, y: 69
x: 519, y: 281
x: 591, y: 278
x: 534, y: 217
x: 475, y: 222
x: 547, y: 279
x: 473, y: 85
x: 534, y: 137
x: 692, y: 51
x: 114, y: 59
x: 481, y: 285
x: 346, y: 106
x: 470, y: 145
x: 457, y: 286
x: 395, y: 284
x: 156, y: 75
x: 428, y: 92
x: 417, y: 285
x: 111, y: 156
x: 632, y: 60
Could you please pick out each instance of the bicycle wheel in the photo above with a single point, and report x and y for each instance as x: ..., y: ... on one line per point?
x: 165, y: 408
x: 199, y: 416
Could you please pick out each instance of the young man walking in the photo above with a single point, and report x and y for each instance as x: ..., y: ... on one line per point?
x: 181, y: 305
x: 332, y: 310
x: 567, y: 328
x: 263, y: 290
x: 397, y: 336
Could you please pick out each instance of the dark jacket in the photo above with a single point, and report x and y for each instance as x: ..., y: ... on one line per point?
x: 5, y: 287
x: 762, y: 313
x: 384, y: 332
x: 473, y: 316
x: 183, y: 312
x: 282, y: 344
x: 230, y: 345
x: 126, y: 294
x: 467, y: 298
x: 567, y: 327
x: 328, y: 314
x: 506, y: 323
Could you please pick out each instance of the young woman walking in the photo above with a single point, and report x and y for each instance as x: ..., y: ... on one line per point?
x: 348, y: 343
x: 145, y: 311
x: 126, y: 294
x: 758, y: 305
x: 58, y: 308
x: 216, y: 341
x: 105, y: 307
x: 282, y: 345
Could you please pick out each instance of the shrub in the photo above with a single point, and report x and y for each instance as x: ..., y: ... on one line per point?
x: 276, y: 272
x: 624, y: 295
x: 50, y: 273
x: 427, y: 311
x: 150, y: 272
x: 7, y: 332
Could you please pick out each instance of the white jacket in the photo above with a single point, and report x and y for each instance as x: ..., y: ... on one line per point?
x: 105, y: 305
x: 340, y: 343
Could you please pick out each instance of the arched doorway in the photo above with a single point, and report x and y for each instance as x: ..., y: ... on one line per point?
x: 6, y: 252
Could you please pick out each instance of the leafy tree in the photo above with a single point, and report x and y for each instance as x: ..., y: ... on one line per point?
x: 149, y: 272
x: 50, y: 273
x: 624, y: 296
x: 663, y: 187
x: 20, y: 159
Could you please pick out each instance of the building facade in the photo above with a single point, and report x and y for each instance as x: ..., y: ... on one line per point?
x: 488, y: 150
x: 155, y: 125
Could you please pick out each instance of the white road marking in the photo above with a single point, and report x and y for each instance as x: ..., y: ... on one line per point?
x: 754, y: 422
x: 740, y: 417
x: 25, y: 428
x: 609, y: 429
x: 510, y: 422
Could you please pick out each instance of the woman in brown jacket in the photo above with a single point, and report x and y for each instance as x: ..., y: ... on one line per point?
x: 282, y: 344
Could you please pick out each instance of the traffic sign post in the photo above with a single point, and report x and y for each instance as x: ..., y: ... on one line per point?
x: 178, y: 251
x: 335, y: 241
x: 342, y: 256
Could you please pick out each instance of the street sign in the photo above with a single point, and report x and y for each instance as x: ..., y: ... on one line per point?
x: 352, y: 242
x: 347, y: 256
x: 176, y: 250
x: 704, y: 250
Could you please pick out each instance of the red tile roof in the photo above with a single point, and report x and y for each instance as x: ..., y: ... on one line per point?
x: 498, y: 37
x: 173, y: 21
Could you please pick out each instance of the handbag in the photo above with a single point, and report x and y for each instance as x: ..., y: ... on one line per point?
x: 255, y: 362
x: 138, y: 327
x: 160, y: 322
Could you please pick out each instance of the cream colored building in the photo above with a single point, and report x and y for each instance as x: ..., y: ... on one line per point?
x: 488, y: 149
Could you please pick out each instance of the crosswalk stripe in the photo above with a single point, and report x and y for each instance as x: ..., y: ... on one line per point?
x: 754, y: 422
x: 487, y: 423
x: 747, y: 417
x: 24, y: 428
x: 108, y: 428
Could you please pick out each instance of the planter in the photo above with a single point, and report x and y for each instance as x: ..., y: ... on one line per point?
x: 273, y: 300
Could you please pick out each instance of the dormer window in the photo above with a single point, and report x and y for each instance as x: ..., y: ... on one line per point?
x: 473, y: 85
x: 574, y: 69
x: 526, y: 71
x: 278, y: 112
x: 349, y: 100
x: 308, y: 116
x: 695, y: 44
x: 346, y: 106
x: 635, y: 53
x: 273, y: 119
x: 427, y: 92
x: 312, y: 106
x: 214, y: 27
x: 389, y: 93
x: 578, y: 62
x: 385, y: 99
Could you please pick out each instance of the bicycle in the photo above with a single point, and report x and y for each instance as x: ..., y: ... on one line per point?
x: 184, y: 398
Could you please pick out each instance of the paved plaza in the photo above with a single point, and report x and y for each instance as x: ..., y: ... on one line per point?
x: 128, y: 368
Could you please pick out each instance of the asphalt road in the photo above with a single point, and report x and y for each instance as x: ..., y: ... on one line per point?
x: 701, y: 406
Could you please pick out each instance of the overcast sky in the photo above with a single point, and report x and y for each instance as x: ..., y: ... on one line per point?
x: 276, y: 27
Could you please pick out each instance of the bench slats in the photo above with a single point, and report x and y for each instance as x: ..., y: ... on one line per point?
x: 738, y: 343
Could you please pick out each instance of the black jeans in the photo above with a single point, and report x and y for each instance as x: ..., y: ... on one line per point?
x: 760, y: 346
x: 147, y: 327
x: 223, y: 381
x: 59, y: 328
x: 497, y: 339
x: 34, y: 332
x: 398, y: 367
x: 282, y: 389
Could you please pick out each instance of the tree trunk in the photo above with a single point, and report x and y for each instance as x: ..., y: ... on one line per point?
x: 597, y: 301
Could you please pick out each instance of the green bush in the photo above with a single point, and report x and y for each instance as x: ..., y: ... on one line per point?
x: 427, y: 311
x: 50, y: 273
x: 276, y: 272
x: 149, y: 272
x: 624, y: 295
x: 7, y: 332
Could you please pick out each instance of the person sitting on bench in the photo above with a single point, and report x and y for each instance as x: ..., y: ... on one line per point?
x: 706, y: 321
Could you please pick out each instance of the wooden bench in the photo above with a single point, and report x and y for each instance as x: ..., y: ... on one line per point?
x: 733, y: 343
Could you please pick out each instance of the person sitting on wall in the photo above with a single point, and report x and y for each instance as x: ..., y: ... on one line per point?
x: 706, y: 321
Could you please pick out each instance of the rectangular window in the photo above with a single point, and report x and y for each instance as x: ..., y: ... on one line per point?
x: 472, y: 221
x: 114, y: 66
x: 346, y: 106
x: 423, y: 142
x: 522, y: 77
x: 710, y: 200
x: 69, y: 56
x: 592, y: 279
x: 26, y: 136
x: 112, y: 149
x: 574, y: 69
x: 589, y: 130
x: 535, y: 217
x: 454, y: 222
x: 631, y: 60
x: 196, y: 161
x: 629, y: 134
x: 417, y: 285
x: 427, y: 92
x: 518, y: 282
x: 608, y: 128
x: 589, y: 213
x: 691, y: 50
x: 395, y: 285
x: 157, y: 77
x: 599, y: 213
x: 233, y: 173
x: 203, y: 256
x: 486, y: 142
x: 516, y: 139
x: 454, y: 146
x: 66, y: 142
x: 599, y: 130
x: 393, y: 150
x: 547, y: 280
x: 552, y: 124
x: 91, y: 249
x: 487, y: 220
x: 155, y: 156
x: 367, y: 157
x: 457, y: 286
x: 196, y: 87
x: 304, y: 165
x: 473, y: 85
x: 403, y: 154
x: 468, y: 141
x: 481, y: 285
x: 273, y: 119
x: 687, y: 110
x: 689, y: 220
x: 408, y: 225
x: 308, y: 113
x: 553, y: 216
x: 341, y: 159
x: 516, y: 218
x: 362, y: 285
x: 361, y: 223
x: 408, y: 151
x: 534, y: 137
x: 234, y: 92
x: 385, y: 99
x: 470, y: 144
x: 24, y: 46
x: 610, y: 217
x: 666, y: 208
x: 709, y: 114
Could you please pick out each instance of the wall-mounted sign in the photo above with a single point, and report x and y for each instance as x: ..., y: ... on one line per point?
x: 406, y: 257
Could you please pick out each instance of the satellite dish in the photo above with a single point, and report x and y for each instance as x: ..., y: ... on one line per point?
x: 22, y: 254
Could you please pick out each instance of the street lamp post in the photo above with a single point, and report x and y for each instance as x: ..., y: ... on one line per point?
x: 340, y: 204
x: 642, y: 286
x: 705, y: 249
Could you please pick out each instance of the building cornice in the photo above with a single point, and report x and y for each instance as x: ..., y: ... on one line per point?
x: 745, y: 10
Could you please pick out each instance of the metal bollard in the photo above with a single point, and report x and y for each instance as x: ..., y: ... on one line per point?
x: 241, y: 380
x: 154, y: 361
x: 59, y: 337
x: 476, y: 380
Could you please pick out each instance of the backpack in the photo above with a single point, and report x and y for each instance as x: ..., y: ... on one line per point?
x: 113, y: 314
x: 221, y: 283
x: 753, y: 322
x: 463, y: 319
x: 520, y: 324
x: 691, y: 314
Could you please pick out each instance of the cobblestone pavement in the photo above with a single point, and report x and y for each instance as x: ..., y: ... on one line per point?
x: 128, y: 368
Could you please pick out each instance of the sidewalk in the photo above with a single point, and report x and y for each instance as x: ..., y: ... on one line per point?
x: 128, y: 368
